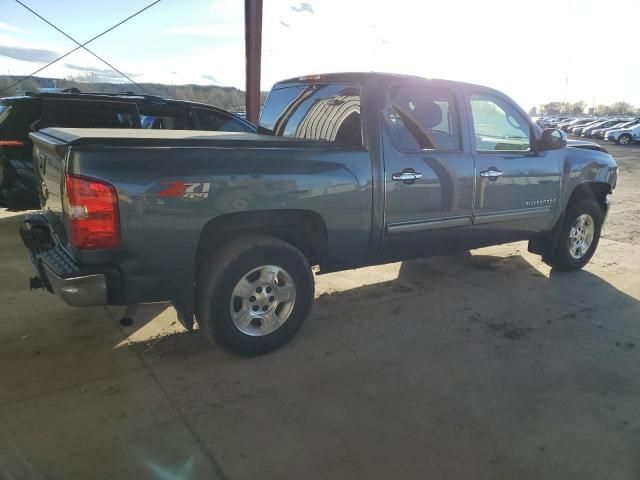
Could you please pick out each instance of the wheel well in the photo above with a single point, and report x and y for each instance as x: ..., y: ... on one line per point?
x: 544, y: 243
x: 597, y: 191
x: 303, y: 229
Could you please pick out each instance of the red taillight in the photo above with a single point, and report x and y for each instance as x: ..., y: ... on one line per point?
x: 12, y: 143
x: 91, y: 210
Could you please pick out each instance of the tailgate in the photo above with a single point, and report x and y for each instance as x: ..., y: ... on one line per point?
x: 49, y: 161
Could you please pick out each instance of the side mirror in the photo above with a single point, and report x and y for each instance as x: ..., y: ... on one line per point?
x: 552, y: 139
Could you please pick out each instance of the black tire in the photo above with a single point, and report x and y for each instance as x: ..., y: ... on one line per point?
x: 562, y: 258
x: 624, y: 139
x: 4, y: 189
x: 222, y: 271
x: 19, y: 199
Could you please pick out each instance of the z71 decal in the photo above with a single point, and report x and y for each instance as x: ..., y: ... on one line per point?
x: 185, y: 190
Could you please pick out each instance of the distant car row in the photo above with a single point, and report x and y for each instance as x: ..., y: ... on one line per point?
x: 622, y: 130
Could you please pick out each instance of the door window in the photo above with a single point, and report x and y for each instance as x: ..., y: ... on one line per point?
x: 215, y: 121
x: 498, y: 126
x: 422, y: 118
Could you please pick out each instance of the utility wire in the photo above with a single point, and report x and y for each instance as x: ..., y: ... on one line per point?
x: 80, y: 46
x: 78, y: 43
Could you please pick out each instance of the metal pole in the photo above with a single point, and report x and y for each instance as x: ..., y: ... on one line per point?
x: 253, y: 50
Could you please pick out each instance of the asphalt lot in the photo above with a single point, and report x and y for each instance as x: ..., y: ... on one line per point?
x: 480, y: 366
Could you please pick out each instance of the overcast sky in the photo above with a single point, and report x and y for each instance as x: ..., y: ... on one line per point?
x: 527, y: 49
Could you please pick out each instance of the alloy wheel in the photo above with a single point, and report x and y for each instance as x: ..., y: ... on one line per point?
x: 262, y: 300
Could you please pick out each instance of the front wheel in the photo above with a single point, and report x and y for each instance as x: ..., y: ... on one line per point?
x: 624, y: 139
x: 579, y: 236
x: 254, y: 294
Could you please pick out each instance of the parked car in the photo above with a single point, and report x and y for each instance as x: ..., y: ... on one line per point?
x: 577, y: 130
x: 70, y: 108
x: 596, y: 132
x: 552, y: 122
x: 564, y: 122
x: 348, y: 170
x: 588, y: 131
x: 575, y: 123
x: 625, y: 136
x: 602, y: 133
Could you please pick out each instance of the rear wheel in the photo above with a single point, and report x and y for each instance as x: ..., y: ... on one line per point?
x: 579, y: 236
x: 18, y: 199
x: 624, y: 139
x: 254, y: 294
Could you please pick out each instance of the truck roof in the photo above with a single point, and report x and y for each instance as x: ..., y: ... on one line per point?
x: 361, y: 77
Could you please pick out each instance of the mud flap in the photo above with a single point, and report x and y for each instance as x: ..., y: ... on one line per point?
x: 185, y: 312
x: 545, y: 244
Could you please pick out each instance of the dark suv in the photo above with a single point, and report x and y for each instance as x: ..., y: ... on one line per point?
x: 70, y: 108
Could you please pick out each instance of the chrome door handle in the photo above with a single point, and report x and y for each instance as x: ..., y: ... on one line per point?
x: 492, y: 174
x: 406, y: 176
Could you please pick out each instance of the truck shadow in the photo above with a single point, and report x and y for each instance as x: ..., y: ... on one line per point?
x: 454, y: 283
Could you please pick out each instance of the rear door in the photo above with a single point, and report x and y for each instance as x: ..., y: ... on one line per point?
x: 517, y: 188
x: 428, y: 171
x: 16, y: 167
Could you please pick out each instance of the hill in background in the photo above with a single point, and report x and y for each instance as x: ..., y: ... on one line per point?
x: 229, y: 98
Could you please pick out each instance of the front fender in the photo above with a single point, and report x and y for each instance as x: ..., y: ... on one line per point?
x: 585, y: 166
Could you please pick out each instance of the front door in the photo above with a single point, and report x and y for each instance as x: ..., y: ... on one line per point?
x: 517, y: 189
x: 428, y: 172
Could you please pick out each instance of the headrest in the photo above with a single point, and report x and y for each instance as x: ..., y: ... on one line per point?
x: 428, y: 113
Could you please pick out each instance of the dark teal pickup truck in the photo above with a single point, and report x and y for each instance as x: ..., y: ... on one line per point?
x: 346, y: 170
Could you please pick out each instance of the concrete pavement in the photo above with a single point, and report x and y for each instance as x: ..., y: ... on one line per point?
x: 475, y: 366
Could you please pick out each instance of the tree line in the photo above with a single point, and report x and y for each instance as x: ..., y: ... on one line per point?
x: 578, y: 108
x: 229, y: 98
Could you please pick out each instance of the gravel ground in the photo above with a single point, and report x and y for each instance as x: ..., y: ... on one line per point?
x: 622, y: 223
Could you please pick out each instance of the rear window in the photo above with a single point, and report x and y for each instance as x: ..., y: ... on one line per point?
x: 422, y: 117
x: 74, y: 113
x: 16, y: 119
x: 316, y: 112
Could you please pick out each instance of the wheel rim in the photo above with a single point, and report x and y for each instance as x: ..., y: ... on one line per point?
x: 581, y: 236
x: 624, y: 140
x: 262, y: 300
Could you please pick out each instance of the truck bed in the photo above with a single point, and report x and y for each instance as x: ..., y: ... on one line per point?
x: 144, y: 137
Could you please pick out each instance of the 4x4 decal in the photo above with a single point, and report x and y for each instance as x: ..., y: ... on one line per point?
x: 185, y: 190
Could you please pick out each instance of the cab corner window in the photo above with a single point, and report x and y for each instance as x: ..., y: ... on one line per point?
x: 422, y: 118
x: 316, y: 112
x: 498, y: 126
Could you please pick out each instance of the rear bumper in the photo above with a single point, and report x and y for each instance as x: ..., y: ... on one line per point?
x: 80, y: 291
x: 58, y: 272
